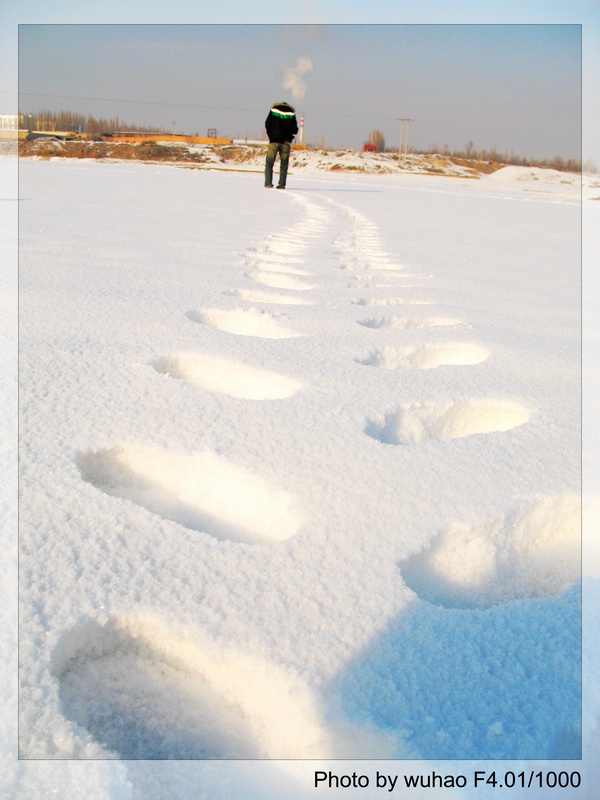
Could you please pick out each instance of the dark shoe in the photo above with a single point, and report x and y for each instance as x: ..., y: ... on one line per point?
x: 281, y: 187
x: 268, y: 185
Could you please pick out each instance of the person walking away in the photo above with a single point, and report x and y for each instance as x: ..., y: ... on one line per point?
x: 282, y: 126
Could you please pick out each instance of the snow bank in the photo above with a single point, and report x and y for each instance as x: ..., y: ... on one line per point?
x: 528, y: 174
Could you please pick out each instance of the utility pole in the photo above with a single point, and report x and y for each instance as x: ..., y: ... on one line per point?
x: 404, y: 123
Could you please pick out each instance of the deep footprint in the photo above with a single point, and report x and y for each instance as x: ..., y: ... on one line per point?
x: 264, y: 255
x: 390, y: 301
x: 202, y: 491
x: 269, y: 298
x: 227, y: 377
x: 141, y: 693
x: 532, y: 552
x: 426, y: 356
x: 279, y: 280
x: 413, y: 424
x: 408, y: 323
x: 243, y: 322
x: 274, y: 266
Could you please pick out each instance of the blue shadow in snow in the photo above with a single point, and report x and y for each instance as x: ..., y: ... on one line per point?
x: 496, y: 683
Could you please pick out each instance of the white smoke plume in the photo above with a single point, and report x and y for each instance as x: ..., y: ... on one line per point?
x: 294, y: 77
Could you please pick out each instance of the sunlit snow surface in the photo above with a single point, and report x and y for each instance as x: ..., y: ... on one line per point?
x: 300, y: 473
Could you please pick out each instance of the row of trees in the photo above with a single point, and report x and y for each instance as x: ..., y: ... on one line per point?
x: 471, y: 153
x: 80, y: 123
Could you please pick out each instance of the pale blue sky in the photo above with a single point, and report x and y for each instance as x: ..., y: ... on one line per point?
x: 509, y: 78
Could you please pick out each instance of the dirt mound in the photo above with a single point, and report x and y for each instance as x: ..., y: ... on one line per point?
x: 148, y: 150
x: 238, y: 153
x: 250, y: 157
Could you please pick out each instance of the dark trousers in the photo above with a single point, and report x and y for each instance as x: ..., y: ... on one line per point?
x: 283, y: 148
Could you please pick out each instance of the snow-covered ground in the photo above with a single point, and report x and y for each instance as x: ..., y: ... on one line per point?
x: 300, y: 479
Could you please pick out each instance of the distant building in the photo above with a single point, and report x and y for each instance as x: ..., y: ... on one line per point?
x: 264, y: 142
x: 9, y: 127
x: 9, y: 122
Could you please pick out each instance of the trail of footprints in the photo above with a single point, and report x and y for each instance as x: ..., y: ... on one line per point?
x: 123, y: 658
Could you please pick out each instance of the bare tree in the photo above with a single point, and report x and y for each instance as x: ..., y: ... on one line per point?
x: 377, y: 139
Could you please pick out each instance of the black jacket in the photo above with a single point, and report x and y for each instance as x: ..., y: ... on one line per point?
x: 281, y: 123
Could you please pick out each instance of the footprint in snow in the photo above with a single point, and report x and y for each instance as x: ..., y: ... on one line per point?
x: 228, y: 377
x: 284, y: 247
x: 534, y: 551
x: 142, y: 693
x: 243, y: 322
x: 203, y: 491
x: 407, y: 323
x: 426, y: 356
x: 390, y: 301
x: 270, y: 298
x: 278, y: 280
x: 264, y: 255
x: 286, y: 269
x: 414, y: 424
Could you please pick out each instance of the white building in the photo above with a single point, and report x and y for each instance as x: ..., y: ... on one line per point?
x: 9, y: 122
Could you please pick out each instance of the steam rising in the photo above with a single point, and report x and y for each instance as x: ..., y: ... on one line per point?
x: 294, y: 77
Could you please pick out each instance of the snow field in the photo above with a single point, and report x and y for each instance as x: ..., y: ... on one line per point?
x: 8, y: 467
x: 257, y: 509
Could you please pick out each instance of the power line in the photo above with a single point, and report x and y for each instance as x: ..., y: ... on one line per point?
x: 189, y: 105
